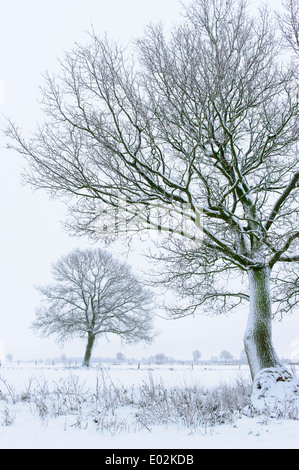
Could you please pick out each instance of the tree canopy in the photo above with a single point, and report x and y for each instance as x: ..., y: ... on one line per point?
x: 94, y: 295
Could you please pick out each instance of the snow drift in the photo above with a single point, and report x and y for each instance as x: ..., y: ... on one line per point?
x: 276, y: 391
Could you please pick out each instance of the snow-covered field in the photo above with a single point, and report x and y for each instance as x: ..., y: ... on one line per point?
x: 126, y: 407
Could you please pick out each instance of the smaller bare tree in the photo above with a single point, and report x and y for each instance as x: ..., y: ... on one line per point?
x: 226, y: 356
x: 94, y: 295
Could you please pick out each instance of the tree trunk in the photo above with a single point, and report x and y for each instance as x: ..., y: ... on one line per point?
x: 88, y: 351
x: 258, y: 336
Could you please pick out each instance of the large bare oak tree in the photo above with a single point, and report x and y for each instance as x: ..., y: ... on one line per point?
x: 205, y: 117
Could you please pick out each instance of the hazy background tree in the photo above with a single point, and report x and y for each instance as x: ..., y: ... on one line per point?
x: 120, y: 357
x: 9, y: 357
x: 160, y: 358
x: 94, y: 295
x: 226, y: 356
x: 205, y: 121
x: 196, y: 356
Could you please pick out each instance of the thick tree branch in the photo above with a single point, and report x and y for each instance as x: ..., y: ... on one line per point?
x: 278, y: 255
x: 281, y: 200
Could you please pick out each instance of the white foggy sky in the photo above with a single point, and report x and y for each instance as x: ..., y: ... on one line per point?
x: 33, y: 34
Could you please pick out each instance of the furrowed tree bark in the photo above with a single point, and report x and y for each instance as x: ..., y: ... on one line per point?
x: 88, y: 351
x: 258, y: 336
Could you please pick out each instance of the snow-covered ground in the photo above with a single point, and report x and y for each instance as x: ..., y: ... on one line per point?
x: 30, y: 419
